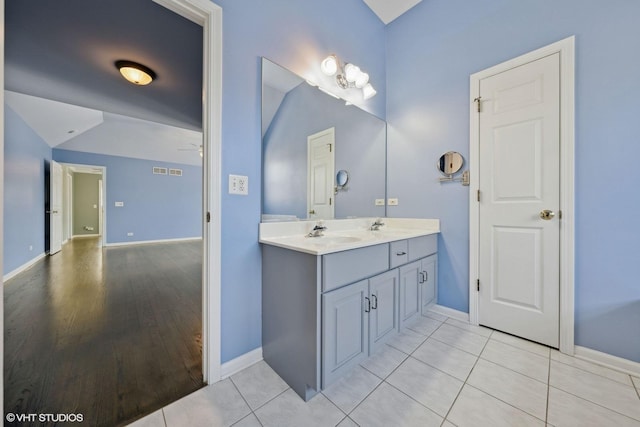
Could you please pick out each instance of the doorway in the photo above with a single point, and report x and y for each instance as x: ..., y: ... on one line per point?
x: 521, y: 261
x: 208, y: 15
x: 321, y: 170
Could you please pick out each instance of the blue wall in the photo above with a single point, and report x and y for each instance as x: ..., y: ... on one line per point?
x: 432, y: 50
x: 296, y: 35
x: 156, y: 207
x: 26, y: 156
x: 360, y: 149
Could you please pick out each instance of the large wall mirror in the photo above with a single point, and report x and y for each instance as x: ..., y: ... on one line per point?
x: 308, y: 137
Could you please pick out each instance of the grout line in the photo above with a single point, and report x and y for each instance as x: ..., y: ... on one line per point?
x: 636, y: 386
x: 546, y: 415
x: 594, y: 373
x: 164, y: 417
x: 468, y: 330
x: 464, y: 383
x: 524, y: 340
x: 240, y: 393
x: 517, y: 372
x: 410, y: 397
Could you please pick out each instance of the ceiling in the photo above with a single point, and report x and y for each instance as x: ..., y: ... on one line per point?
x: 65, y: 52
x: 388, y: 10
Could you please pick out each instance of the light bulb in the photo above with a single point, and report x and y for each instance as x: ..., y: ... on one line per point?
x: 362, y: 80
x: 368, y: 91
x: 351, y: 72
x: 329, y: 65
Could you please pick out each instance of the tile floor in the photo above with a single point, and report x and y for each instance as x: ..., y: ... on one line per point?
x: 439, y: 372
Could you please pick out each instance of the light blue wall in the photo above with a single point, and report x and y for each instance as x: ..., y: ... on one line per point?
x: 156, y: 207
x: 297, y: 35
x: 26, y: 156
x: 432, y: 50
x: 360, y: 148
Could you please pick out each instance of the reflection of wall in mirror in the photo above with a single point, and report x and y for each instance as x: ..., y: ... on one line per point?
x: 360, y: 149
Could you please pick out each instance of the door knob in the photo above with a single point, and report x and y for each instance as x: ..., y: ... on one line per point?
x: 312, y: 212
x: 547, y: 214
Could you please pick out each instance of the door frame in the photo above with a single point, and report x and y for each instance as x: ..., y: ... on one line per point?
x: 310, y: 139
x: 566, y: 49
x: 209, y: 16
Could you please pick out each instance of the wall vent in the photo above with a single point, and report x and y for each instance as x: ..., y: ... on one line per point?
x: 175, y: 172
x: 159, y: 171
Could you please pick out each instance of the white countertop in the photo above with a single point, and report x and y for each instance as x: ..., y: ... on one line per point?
x: 343, y: 234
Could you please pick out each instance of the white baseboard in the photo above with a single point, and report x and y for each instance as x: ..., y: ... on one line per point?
x: 23, y: 267
x: 608, y: 360
x: 82, y: 236
x: 450, y: 312
x: 239, y: 363
x: 150, y: 242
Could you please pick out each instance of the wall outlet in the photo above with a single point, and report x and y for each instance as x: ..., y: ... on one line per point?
x: 239, y: 184
x: 130, y: 234
x: 392, y: 202
x: 379, y: 202
x: 119, y: 204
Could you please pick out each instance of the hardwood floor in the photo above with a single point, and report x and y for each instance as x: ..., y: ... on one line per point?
x: 110, y: 333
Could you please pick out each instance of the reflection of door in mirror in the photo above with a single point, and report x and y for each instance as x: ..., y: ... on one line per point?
x: 321, y: 166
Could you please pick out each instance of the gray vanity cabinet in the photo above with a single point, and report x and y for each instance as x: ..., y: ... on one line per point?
x: 345, y: 329
x: 384, y: 292
x: 410, y: 289
x: 428, y: 279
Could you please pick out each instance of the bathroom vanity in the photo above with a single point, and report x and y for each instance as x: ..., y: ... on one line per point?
x: 329, y: 302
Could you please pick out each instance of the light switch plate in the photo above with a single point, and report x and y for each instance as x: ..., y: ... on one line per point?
x: 379, y: 202
x: 239, y: 184
x: 392, y: 202
x: 119, y: 204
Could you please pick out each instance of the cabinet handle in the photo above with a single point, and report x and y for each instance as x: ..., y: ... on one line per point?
x: 426, y: 276
x: 375, y: 301
x: 421, y: 280
x: 401, y: 253
x: 368, y: 309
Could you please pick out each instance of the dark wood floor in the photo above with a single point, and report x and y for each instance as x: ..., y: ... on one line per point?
x: 113, y: 333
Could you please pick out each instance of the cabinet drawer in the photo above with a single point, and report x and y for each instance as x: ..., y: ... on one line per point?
x: 420, y: 247
x: 342, y: 268
x: 399, y: 253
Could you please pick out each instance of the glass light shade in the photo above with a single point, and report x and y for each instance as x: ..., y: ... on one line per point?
x: 135, y: 73
x: 351, y: 72
x: 362, y: 80
x: 329, y: 65
x: 368, y: 91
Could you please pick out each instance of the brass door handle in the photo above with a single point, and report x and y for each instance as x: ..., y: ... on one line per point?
x: 547, y: 214
x: 312, y: 212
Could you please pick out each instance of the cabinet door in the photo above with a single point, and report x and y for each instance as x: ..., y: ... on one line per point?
x: 345, y: 331
x: 383, y: 318
x: 410, y: 292
x: 429, y: 281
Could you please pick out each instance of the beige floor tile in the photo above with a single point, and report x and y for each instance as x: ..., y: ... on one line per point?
x: 459, y: 338
x: 522, y: 361
x: 216, y: 405
x: 591, y: 367
x: 350, y: 390
x: 480, y: 330
x: 474, y: 408
x: 523, y: 344
x: 155, y: 419
x: 451, y: 360
x: 516, y: 389
x: 258, y: 384
x: 568, y: 410
x: 429, y: 386
x: 387, y: 406
x: 611, y: 394
x: 384, y: 361
x: 289, y: 410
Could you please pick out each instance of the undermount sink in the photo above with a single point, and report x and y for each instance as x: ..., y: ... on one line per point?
x: 333, y: 240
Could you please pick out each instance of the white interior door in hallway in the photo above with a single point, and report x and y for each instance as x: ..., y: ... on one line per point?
x: 321, y: 171
x: 55, y: 208
x: 519, y: 201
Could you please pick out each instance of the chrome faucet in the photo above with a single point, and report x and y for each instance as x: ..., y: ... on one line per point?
x: 318, y: 230
x: 377, y: 224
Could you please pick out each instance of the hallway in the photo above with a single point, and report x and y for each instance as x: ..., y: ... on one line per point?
x: 109, y: 333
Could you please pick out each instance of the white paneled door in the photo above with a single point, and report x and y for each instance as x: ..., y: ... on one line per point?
x: 519, y: 225
x: 55, y: 208
x: 321, y: 171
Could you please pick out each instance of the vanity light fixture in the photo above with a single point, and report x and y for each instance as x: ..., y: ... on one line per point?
x: 135, y: 73
x: 347, y: 75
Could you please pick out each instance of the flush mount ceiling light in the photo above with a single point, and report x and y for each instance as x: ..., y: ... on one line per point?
x: 136, y: 73
x: 348, y: 75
